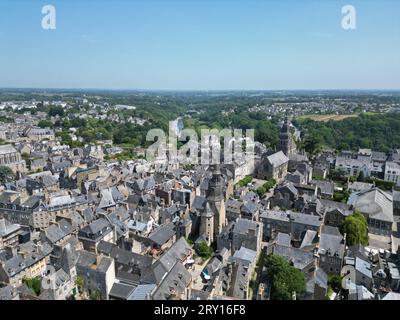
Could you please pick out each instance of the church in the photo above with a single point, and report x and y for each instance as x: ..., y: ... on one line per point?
x: 286, y: 142
x: 275, y: 165
x: 210, y: 209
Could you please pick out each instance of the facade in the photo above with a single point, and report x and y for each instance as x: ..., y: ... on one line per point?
x: 248, y: 234
x: 274, y: 166
x: 92, y: 234
x: 98, y: 273
x: 29, y: 262
x: 57, y: 286
x: 11, y: 158
x: 9, y: 234
x: 392, y: 172
x: 274, y: 222
x: 331, y: 250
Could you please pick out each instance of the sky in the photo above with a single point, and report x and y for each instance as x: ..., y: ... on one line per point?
x: 200, y: 45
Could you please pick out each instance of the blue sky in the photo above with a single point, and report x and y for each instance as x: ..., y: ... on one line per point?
x: 200, y: 44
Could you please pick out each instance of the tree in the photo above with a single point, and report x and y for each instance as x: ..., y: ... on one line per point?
x: 56, y: 110
x: 203, y: 250
x: 95, y: 295
x: 79, y: 283
x: 361, y: 176
x: 335, y: 282
x: 6, y: 174
x: 338, y: 175
x: 364, y: 131
x: 355, y: 227
x: 341, y: 196
x: 269, y: 184
x: 45, y: 124
x: 245, y: 181
x: 261, y: 191
x: 285, y: 279
x: 35, y: 284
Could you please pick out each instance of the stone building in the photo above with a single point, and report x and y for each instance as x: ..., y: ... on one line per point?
x: 248, y: 234
x: 331, y: 250
x: 274, y: 166
x: 11, y: 158
x: 377, y: 206
x: 212, y: 211
x: 286, y: 142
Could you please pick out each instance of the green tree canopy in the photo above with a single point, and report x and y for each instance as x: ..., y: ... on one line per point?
x: 95, y: 295
x: 355, y: 227
x: 55, y: 110
x: 45, y: 124
x: 364, y: 131
x: 285, y: 279
x: 245, y: 181
x: 6, y: 174
x: 335, y: 282
x: 203, y: 250
x: 35, y: 284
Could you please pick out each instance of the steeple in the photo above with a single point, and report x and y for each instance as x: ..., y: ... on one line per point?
x: 286, y: 142
x: 216, y: 184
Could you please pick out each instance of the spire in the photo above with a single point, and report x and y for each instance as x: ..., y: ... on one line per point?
x: 286, y: 142
x: 208, y: 212
x: 216, y: 184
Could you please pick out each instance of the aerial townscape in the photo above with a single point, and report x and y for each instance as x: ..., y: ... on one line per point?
x: 85, y: 215
x: 198, y: 158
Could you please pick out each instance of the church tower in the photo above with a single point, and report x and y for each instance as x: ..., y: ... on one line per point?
x: 286, y: 141
x: 216, y: 185
x: 207, y: 224
x: 216, y: 199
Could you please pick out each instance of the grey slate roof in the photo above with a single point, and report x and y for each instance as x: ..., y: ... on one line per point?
x: 249, y: 207
x: 121, y: 291
x: 242, y: 226
x: 7, y: 293
x: 306, y: 219
x: 331, y: 242
x: 154, y: 274
x: 176, y: 281
x: 277, y: 159
x: 299, y: 257
x: 364, y: 267
x: 163, y: 233
x: 375, y: 202
x: 308, y: 239
x: 178, y: 251
x: 275, y: 215
x: 199, y: 203
x: 245, y: 254
x: 54, y: 233
x: 142, y: 292
x: 283, y: 239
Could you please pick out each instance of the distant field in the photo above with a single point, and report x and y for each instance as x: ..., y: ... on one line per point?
x: 327, y: 117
